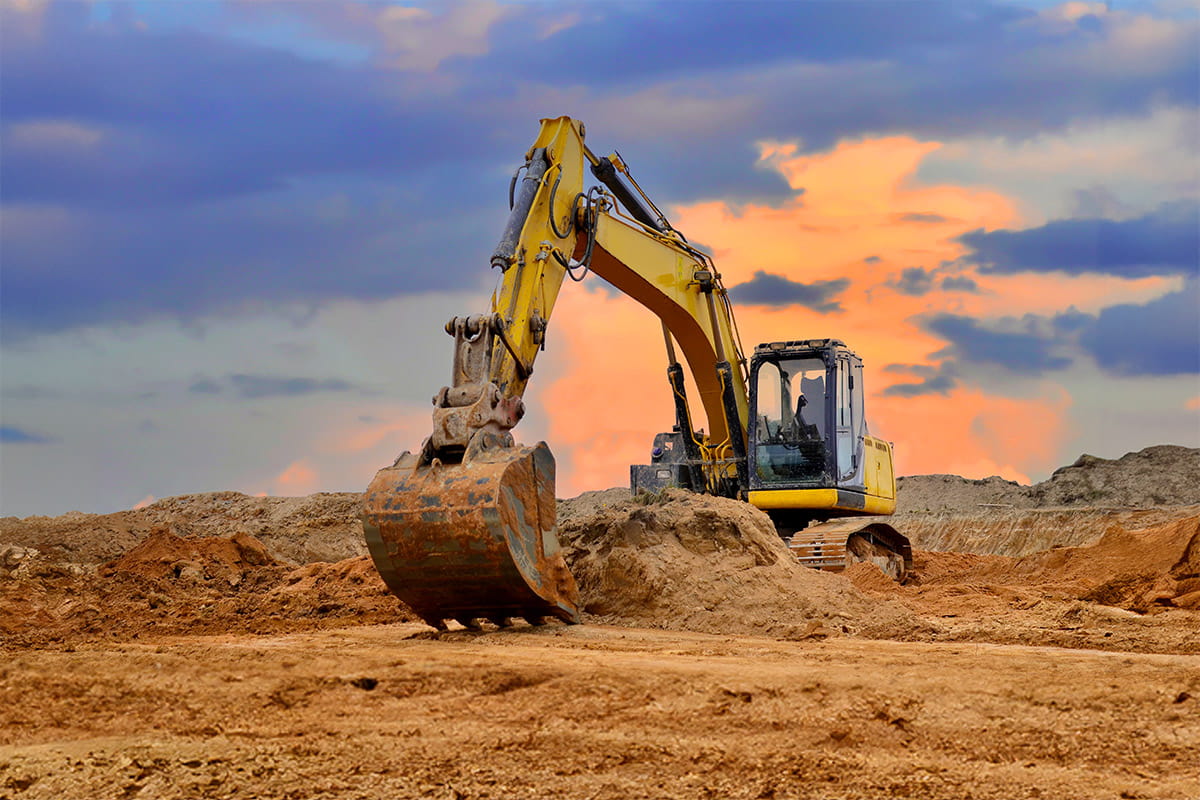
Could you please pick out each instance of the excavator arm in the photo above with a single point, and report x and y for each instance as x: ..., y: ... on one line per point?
x: 465, y: 528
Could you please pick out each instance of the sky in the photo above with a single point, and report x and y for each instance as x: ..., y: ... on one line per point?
x: 231, y: 232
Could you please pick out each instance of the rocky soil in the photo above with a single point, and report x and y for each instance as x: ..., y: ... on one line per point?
x: 1165, y: 475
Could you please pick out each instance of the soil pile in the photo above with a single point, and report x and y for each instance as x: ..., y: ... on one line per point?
x: 1157, y: 476
x: 319, y: 527
x: 1131, y: 590
x: 1139, y: 570
x: 706, y: 564
x: 165, y: 555
x: 1164, y: 475
x: 171, y: 585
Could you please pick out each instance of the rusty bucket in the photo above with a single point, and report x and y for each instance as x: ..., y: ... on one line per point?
x: 471, y: 541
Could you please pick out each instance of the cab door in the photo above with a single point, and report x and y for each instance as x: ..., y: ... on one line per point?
x: 844, y: 423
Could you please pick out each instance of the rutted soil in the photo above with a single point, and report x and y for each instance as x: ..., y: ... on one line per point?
x: 388, y: 711
x: 225, y: 646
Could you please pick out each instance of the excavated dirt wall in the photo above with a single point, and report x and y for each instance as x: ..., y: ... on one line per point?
x: 1010, y: 532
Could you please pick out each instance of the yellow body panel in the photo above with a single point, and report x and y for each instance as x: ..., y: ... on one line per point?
x: 878, y: 473
x: 771, y: 499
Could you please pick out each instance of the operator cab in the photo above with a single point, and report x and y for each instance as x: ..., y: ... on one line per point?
x: 806, y: 426
x: 809, y: 456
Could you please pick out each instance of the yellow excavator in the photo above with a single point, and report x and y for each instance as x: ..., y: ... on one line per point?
x: 464, y: 528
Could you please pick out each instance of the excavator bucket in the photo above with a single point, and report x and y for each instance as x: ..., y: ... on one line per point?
x: 471, y: 541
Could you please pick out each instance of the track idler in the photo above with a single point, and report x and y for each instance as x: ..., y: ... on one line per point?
x: 471, y: 541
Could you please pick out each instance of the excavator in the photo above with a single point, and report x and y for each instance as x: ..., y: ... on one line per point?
x: 464, y: 528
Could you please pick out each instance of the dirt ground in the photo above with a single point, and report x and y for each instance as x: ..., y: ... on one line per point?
x: 224, y: 646
x: 591, y: 711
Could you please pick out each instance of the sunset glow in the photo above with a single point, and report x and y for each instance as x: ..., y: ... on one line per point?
x: 233, y: 231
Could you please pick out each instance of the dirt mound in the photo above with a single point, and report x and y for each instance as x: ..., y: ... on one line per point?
x: 1140, y: 572
x: 1164, y: 475
x: 300, y: 530
x: 343, y: 589
x: 934, y: 493
x: 706, y: 564
x: 171, y: 585
x: 1131, y: 590
x: 1137, y: 570
x: 164, y: 555
x: 1157, y: 476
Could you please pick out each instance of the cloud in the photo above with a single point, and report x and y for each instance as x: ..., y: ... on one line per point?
x: 253, y: 387
x: 940, y: 384
x: 225, y: 258
x: 1024, y: 351
x: 209, y: 174
x: 214, y: 172
x: 1164, y: 242
x: 914, y: 281
x: 959, y: 283
x: 28, y: 391
x: 13, y: 435
x: 1116, y: 166
x: 765, y: 289
x: 205, y: 386
x: 826, y: 70
x: 975, y: 434
x: 418, y: 39
x: 1161, y: 337
x: 299, y: 478
x: 934, y: 380
x: 57, y: 134
x: 917, y: 216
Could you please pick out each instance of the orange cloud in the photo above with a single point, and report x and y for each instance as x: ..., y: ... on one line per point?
x: 973, y: 434
x: 859, y: 214
x: 298, y: 479
x: 403, y: 429
x: 611, y: 396
x: 145, y: 501
x: 351, y: 447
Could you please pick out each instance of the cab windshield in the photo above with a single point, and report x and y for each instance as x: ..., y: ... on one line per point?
x: 790, y: 424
